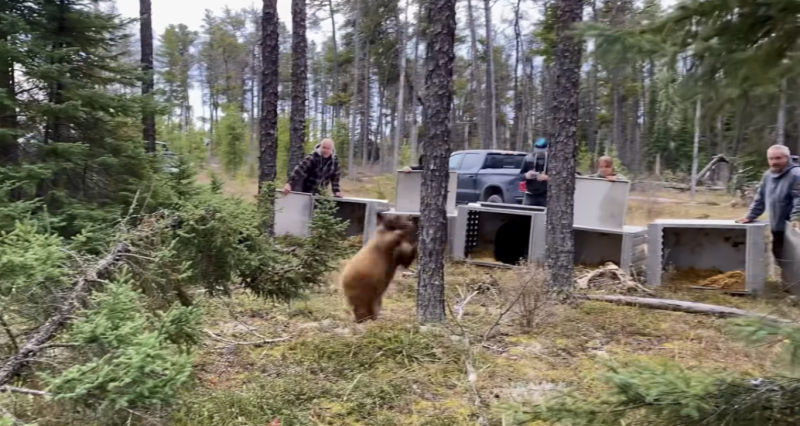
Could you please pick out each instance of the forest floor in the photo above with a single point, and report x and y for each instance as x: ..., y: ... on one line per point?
x: 330, y: 371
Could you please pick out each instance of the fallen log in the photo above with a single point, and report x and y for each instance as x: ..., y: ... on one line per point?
x: 682, y: 306
x: 48, y: 330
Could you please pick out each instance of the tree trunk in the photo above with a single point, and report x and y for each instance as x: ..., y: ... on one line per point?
x: 490, y: 83
x: 478, y: 107
x: 564, y: 149
x: 365, y: 113
x: 591, y: 127
x: 440, y: 56
x: 375, y: 152
x: 652, y: 104
x: 146, y: 36
x: 351, y: 146
x: 780, y: 127
x: 398, y: 130
x: 253, y: 114
x: 9, y: 148
x: 268, y: 132
x: 336, y: 107
x: 297, y: 136
x: 696, y: 147
x: 519, y: 119
x: 415, y: 93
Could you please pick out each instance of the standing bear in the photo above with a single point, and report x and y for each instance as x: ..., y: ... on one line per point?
x: 367, y: 275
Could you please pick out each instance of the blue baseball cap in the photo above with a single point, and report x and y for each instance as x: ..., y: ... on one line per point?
x: 540, y: 143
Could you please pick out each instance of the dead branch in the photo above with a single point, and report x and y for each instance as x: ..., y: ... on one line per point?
x: 26, y: 391
x: 469, y: 364
x: 610, y: 277
x: 508, y: 309
x: 256, y: 343
x: 57, y: 345
x: 463, y: 304
x: 681, y: 306
x: 48, y: 330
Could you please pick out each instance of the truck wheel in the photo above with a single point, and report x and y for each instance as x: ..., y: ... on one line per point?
x: 495, y: 199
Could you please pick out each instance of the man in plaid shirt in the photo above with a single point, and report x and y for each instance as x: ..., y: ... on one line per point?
x: 316, y: 170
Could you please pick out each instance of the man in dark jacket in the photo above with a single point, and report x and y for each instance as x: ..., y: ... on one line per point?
x: 534, y: 170
x: 317, y: 170
x: 779, y: 195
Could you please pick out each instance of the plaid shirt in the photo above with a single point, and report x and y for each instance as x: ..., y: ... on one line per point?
x: 311, y: 176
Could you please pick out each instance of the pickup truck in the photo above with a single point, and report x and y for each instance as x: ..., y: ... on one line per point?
x: 488, y: 175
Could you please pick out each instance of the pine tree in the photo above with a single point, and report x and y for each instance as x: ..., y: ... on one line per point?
x: 299, y: 83
x: 175, y: 61
x: 89, y: 129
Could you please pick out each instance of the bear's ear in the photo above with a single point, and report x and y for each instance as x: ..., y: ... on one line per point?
x: 381, y: 219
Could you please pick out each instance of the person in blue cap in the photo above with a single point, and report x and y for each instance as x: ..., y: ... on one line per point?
x: 534, y: 170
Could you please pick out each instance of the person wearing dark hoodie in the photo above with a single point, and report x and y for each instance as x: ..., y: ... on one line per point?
x: 534, y: 171
x: 417, y: 167
x: 779, y: 195
x: 317, y: 170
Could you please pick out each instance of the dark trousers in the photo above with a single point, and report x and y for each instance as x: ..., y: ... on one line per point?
x: 777, y: 245
x: 535, y: 200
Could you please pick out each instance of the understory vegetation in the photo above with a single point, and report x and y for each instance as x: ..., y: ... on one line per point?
x: 204, y: 319
x: 142, y: 288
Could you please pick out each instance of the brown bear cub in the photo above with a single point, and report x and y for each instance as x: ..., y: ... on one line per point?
x: 367, y: 275
x: 406, y: 253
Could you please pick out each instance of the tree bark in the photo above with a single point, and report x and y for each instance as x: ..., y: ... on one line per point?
x: 9, y: 148
x: 696, y: 147
x: 398, y: 131
x: 253, y: 99
x: 478, y: 106
x: 490, y: 78
x: 416, y: 83
x: 268, y: 126
x: 441, y: 19
x: 591, y: 126
x: 780, y: 126
x: 564, y: 149
x: 519, y: 119
x: 297, y: 136
x: 336, y: 107
x: 146, y: 36
x: 366, y: 152
x: 351, y: 146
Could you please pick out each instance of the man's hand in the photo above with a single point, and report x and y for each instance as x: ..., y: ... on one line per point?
x: 530, y: 174
x: 406, y: 169
x: 287, y: 188
x: 744, y: 220
x: 542, y: 177
x: 796, y: 225
x: 612, y: 178
x: 338, y: 195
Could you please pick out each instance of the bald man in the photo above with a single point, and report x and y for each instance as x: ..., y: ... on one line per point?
x: 779, y: 195
x: 317, y: 170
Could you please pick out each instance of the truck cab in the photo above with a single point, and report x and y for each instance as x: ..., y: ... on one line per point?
x: 488, y: 175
